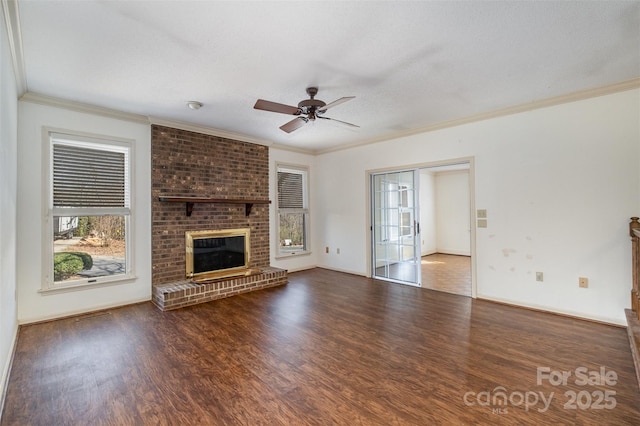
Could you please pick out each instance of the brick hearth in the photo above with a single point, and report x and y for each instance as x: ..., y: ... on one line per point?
x: 186, y: 293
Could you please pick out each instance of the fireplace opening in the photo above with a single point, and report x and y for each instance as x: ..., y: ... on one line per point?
x: 217, y: 254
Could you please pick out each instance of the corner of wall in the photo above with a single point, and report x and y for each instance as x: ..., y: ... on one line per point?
x: 4, y: 379
x: 8, y: 198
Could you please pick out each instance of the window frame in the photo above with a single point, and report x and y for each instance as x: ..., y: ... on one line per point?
x: 92, y: 141
x: 305, y: 210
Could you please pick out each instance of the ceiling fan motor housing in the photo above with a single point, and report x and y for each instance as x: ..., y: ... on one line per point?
x: 310, y: 106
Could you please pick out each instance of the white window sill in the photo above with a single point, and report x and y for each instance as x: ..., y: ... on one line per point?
x: 88, y: 283
x: 289, y: 255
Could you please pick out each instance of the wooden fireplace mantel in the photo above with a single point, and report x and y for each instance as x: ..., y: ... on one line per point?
x: 190, y: 201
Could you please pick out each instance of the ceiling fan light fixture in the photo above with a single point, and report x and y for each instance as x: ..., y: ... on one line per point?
x: 195, y: 105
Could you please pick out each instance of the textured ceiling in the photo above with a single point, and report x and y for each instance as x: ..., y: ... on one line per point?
x: 410, y: 65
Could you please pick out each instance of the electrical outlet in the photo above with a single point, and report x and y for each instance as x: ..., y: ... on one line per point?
x: 539, y: 276
x: 583, y: 282
x: 482, y: 223
x: 326, y: 249
x: 337, y: 251
x: 482, y: 214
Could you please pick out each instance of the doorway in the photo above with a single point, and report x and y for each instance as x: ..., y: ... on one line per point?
x: 445, y: 216
x: 421, y: 223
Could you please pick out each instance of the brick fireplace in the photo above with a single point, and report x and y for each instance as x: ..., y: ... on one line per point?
x: 193, y: 165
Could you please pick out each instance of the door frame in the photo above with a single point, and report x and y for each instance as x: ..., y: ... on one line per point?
x: 472, y: 207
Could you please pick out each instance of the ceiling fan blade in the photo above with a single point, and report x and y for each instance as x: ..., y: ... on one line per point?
x: 276, y: 107
x: 339, y: 121
x: 294, y: 124
x: 334, y: 103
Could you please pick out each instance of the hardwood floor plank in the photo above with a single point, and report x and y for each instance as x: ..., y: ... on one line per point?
x: 447, y: 272
x: 327, y: 348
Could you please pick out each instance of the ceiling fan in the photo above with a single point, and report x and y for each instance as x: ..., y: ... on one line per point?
x: 307, y: 110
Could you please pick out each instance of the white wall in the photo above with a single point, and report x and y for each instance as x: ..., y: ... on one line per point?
x: 33, y: 305
x: 452, y: 213
x: 559, y: 185
x: 297, y: 262
x: 428, y: 222
x: 8, y: 199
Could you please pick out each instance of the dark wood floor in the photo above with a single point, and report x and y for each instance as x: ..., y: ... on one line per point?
x: 328, y: 348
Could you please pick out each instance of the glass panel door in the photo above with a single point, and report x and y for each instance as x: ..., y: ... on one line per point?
x: 395, y: 227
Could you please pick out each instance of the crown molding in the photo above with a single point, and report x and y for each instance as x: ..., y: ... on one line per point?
x: 208, y: 131
x: 294, y: 149
x: 37, y: 98
x: 544, y: 103
x: 12, y: 22
x: 136, y: 118
x: 516, y: 109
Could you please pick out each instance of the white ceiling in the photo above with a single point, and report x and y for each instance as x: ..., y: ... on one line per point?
x: 410, y: 65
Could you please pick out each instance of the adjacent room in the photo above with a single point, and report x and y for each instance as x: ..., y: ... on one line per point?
x: 345, y: 212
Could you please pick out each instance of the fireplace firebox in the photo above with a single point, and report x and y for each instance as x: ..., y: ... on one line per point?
x: 217, y: 254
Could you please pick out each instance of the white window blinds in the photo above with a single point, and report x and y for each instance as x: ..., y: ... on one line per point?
x: 85, y: 176
x: 290, y: 190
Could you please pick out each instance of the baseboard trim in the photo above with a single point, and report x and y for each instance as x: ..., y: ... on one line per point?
x: 455, y: 252
x: 81, y: 312
x: 304, y: 268
x: 6, y: 372
x: 567, y: 314
x: 345, y: 271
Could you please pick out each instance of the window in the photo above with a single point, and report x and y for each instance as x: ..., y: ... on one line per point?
x: 89, y: 211
x: 293, y: 210
x: 406, y: 225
